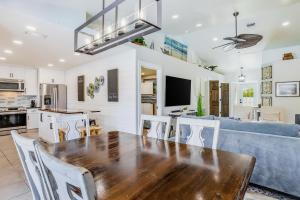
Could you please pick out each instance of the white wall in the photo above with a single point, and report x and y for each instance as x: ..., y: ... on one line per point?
x: 287, y: 71
x: 159, y: 38
x: 275, y: 55
x: 284, y: 71
x: 252, y: 75
x: 120, y: 116
x: 174, y: 67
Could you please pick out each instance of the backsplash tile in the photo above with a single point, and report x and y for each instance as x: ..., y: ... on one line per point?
x: 13, y: 99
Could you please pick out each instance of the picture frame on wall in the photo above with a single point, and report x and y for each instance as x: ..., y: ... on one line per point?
x: 80, y: 88
x: 266, y: 73
x: 287, y: 89
x: 266, y: 87
x: 113, y: 85
x: 266, y: 101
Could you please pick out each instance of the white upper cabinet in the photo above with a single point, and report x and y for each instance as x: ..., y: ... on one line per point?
x: 31, y: 82
x: 50, y: 76
x: 12, y: 72
x: 29, y: 75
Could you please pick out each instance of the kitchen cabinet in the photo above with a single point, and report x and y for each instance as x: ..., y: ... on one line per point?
x: 33, y: 117
x: 8, y: 72
x: 31, y: 82
x: 45, y: 126
x: 50, y: 76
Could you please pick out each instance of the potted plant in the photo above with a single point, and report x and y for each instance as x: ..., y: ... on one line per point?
x: 139, y: 41
x: 200, y: 111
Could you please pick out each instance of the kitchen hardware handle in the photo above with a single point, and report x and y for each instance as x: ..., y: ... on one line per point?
x: 51, y: 126
x: 41, y: 117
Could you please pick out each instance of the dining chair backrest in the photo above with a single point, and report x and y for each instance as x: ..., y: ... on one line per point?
x: 72, y: 126
x: 159, y: 126
x: 196, y: 130
x: 30, y: 163
x: 66, y: 182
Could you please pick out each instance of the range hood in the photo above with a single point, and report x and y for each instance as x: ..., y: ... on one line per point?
x: 12, y: 85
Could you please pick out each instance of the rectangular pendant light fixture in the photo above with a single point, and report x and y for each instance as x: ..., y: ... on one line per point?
x: 118, y: 23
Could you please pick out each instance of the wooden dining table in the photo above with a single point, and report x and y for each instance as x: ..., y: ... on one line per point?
x: 128, y: 166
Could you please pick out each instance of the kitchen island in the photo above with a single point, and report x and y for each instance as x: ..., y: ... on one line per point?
x: 47, y: 130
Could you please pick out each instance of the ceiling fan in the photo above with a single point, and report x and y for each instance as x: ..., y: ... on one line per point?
x: 240, y: 41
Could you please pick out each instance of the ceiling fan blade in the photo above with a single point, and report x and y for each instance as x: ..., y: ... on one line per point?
x: 229, y: 48
x: 253, y: 38
x: 235, y: 39
x: 223, y: 45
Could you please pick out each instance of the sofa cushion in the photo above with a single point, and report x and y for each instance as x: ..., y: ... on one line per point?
x: 290, y: 130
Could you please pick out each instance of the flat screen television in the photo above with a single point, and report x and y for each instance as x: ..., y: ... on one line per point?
x: 178, y: 91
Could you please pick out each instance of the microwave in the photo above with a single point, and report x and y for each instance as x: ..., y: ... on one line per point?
x: 12, y: 85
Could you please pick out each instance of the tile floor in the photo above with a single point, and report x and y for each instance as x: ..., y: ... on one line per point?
x: 13, y: 184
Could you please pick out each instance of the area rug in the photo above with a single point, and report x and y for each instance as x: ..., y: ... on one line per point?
x: 260, y: 193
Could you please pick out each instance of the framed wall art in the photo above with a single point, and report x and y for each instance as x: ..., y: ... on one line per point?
x: 113, y: 85
x: 266, y: 73
x: 287, y: 89
x: 266, y: 87
x: 266, y: 101
x: 80, y: 88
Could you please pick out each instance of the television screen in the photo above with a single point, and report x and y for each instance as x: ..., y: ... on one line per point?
x: 178, y: 91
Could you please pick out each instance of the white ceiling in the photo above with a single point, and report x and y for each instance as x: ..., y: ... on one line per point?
x: 58, y: 18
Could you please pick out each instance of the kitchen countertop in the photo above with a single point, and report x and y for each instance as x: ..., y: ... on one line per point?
x: 69, y: 111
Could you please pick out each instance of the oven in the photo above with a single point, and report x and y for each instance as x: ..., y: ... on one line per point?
x: 12, y: 120
x: 12, y: 85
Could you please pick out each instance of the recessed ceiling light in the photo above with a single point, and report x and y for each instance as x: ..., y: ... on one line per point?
x: 215, y: 39
x: 2, y: 58
x: 31, y: 28
x: 18, y: 42
x: 286, y: 23
x: 7, y: 51
x: 50, y: 65
x: 198, y: 25
x: 76, y: 54
x: 187, y: 31
x: 175, y: 16
x: 62, y: 60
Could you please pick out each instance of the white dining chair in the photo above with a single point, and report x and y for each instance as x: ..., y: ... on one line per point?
x: 196, y: 129
x: 157, y: 128
x: 29, y: 160
x: 71, y: 126
x: 66, y: 181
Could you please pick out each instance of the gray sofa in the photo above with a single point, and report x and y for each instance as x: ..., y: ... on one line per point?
x: 275, y: 146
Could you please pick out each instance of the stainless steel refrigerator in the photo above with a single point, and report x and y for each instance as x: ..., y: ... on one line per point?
x: 53, y: 96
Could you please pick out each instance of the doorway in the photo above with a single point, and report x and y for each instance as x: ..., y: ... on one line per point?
x: 148, y: 91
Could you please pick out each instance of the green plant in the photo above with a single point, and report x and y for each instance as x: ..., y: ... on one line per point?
x: 139, y: 41
x: 245, y: 93
x: 251, y: 92
x: 200, y: 111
